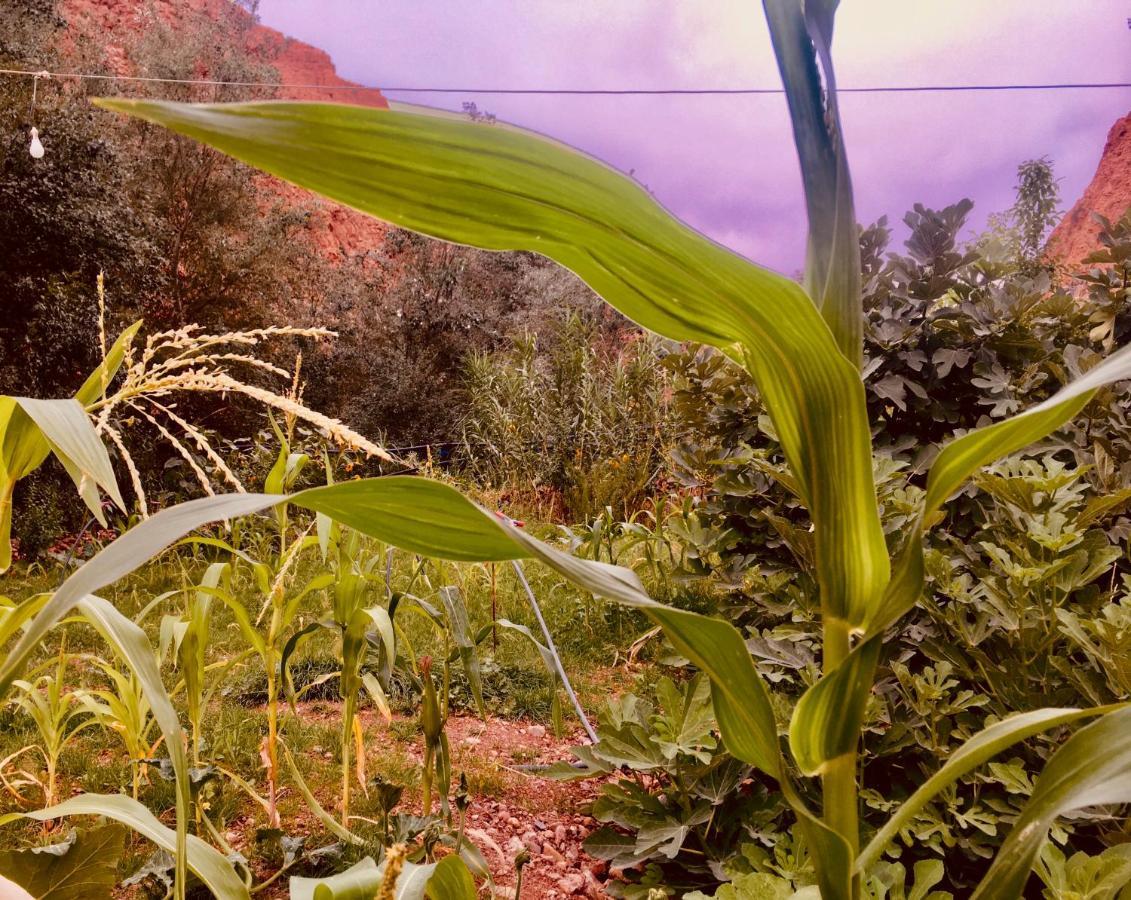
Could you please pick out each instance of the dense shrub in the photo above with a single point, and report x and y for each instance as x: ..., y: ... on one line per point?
x: 575, y: 426
x: 1027, y: 586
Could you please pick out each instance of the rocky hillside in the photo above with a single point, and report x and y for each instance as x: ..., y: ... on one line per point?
x: 337, y: 231
x: 1108, y: 194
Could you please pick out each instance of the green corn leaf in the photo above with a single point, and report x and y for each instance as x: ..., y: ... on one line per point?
x: 500, y: 188
x: 985, y: 745
x: 327, y: 820
x: 359, y: 882
x: 827, y: 719
x: 71, y: 436
x: 449, y: 879
x: 104, y: 373
x: 802, y: 37
x: 377, y: 507
x: 23, y: 447
x: 965, y: 455
x: 460, y: 627
x: 548, y: 658
x: 423, y: 516
x: 1092, y: 768
x: 206, y: 862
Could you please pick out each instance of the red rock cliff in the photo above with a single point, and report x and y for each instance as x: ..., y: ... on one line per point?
x: 337, y: 231
x: 1109, y: 194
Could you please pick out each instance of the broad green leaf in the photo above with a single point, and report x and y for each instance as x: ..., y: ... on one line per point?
x: 374, y: 507
x: 205, y: 861
x: 500, y: 188
x: 423, y: 516
x: 985, y: 745
x: 1092, y: 768
x: 22, y: 450
x: 23, y: 447
x: 72, y: 437
x: 80, y: 868
x: 802, y: 38
x: 449, y: 879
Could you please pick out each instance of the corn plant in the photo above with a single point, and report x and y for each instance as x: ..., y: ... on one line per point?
x: 59, y: 715
x: 187, y: 636
x: 352, y: 570
x: 123, y: 709
x: 501, y: 188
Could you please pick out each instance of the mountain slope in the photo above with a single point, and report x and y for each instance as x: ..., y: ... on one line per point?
x: 336, y: 231
x: 1108, y: 194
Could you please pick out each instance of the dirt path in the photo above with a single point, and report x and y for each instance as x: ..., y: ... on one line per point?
x: 512, y: 807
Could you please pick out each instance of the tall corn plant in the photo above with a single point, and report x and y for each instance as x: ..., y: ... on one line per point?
x: 500, y: 188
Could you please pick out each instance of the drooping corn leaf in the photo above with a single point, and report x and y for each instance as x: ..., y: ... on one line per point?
x: 460, y: 530
x: 23, y: 447
x: 1092, y: 768
x: 72, y: 438
x: 414, y: 514
x: 985, y: 745
x: 460, y: 627
x: 500, y: 188
x: 376, y: 507
x: 205, y: 861
x: 548, y: 658
x: 802, y: 39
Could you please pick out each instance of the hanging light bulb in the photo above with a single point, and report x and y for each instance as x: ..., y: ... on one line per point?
x: 36, y: 147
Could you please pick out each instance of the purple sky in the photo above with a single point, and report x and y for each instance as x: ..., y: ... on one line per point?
x: 726, y: 164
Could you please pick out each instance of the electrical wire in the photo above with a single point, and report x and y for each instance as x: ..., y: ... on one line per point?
x: 582, y: 92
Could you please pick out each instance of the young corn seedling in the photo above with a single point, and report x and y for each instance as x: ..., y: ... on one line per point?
x: 59, y: 715
x: 124, y: 709
x: 437, y: 767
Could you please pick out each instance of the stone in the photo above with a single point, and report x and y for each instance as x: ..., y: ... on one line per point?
x: 536, y: 731
x: 573, y: 883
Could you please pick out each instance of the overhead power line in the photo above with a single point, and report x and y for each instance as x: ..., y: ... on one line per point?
x: 583, y: 92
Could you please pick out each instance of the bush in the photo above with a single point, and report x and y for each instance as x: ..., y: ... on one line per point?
x: 1027, y: 578
x: 587, y: 425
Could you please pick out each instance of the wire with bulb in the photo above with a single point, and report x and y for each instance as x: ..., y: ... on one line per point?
x: 35, y: 148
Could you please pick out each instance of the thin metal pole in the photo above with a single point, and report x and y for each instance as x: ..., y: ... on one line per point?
x: 554, y: 652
